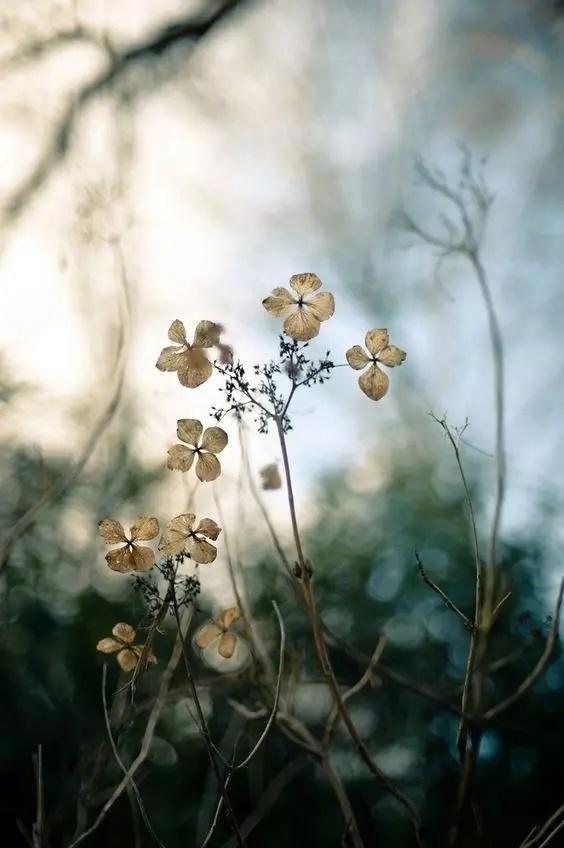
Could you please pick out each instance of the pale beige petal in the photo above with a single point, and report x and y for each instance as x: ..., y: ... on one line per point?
x: 376, y: 340
x: 182, y: 523
x: 127, y: 659
x: 180, y: 458
x: 305, y: 283
x: 357, y: 357
x: 177, y: 332
x: 209, y: 528
x: 208, y: 467
x: 391, y: 356
x: 227, y: 645
x: 206, y: 635
x: 214, y: 439
x: 150, y: 658
x: 207, y: 334
x: 279, y: 303
x: 111, y: 531
x: 121, y: 559
x: 125, y: 632
x: 200, y: 550
x: 302, y: 325
x: 271, y: 477
x: 172, y: 542
x: 143, y: 557
x: 169, y: 359
x: 374, y: 383
x: 144, y: 528
x: 109, y: 646
x: 322, y: 305
x: 229, y: 616
x: 195, y: 368
x: 189, y: 430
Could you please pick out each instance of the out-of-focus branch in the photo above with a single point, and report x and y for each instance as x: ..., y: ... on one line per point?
x: 36, y: 49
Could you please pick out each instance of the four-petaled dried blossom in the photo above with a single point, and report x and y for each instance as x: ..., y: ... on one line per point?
x: 217, y: 634
x: 181, y: 458
x: 190, y: 361
x: 128, y: 654
x: 374, y: 383
x: 181, y: 537
x: 303, y: 313
x: 271, y: 477
x: 130, y: 556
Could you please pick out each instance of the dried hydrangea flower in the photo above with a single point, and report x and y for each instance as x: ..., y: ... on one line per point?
x: 303, y: 313
x: 374, y: 383
x: 270, y: 477
x: 127, y: 653
x: 217, y: 633
x: 130, y: 556
x: 181, y: 458
x: 190, y: 361
x: 182, y: 537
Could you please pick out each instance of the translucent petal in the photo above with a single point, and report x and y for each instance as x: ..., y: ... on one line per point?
x: 207, y: 334
x: 121, y: 559
x: 172, y: 542
x: 376, y: 340
x: 227, y: 645
x: 169, y: 358
x: 194, y: 368
x: 279, y: 303
x: 183, y: 523
x: 208, y: 467
x: 144, y: 528
x: 357, y: 357
x: 271, y: 477
x: 111, y: 531
x: 180, y: 458
x: 322, y: 305
x: 374, y: 383
x: 109, y: 645
x: 206, y: 635
x: 143, y: 557
x: 305, y: 283
x: 177, y: 332
x: 124, y: 632
x: 208, y: 527
x: 214, y: 439
x: 200, y: 550
x: 391, y: 356
x: 189, y: 430
x: 127, y: 659
x: 229, y: 616
x: 302, y: 325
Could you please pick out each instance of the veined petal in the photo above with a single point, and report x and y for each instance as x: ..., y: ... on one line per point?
x: 143, y: 557
x: 169, y: 358
x: 127, y: 659
x: 172, y: 542
x: 109, y: 645
x: 200, y: 550
x: 229, y: 616
x: 374, y: 383
x: 302, y: 325
x: 189, y: 430
x: 214, y: 439
x: 111, y: 531
x: 207, y: 634
x: 177, y: 332
x: 121, y: 559
x: 226, y: 645
x: 391, y: 356
x: 376, y: 340
x: 207, y: 334
x: 144, y: 528
x: 357, y: 357
x: 182, y: 523
x: 124, y: 632
x: 279, y: 303
x: 180, y: 458
x: 194, y: 368
x: 305, y: 283
x: 322, y: 305
x: 209, y: 528
x: 208, y: 467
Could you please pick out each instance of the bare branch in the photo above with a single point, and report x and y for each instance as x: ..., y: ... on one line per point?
x: 444, y: 597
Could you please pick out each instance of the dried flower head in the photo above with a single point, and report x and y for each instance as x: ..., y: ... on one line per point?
x: 127, y: 653
x: 181, y: 537
x: 190, y: 361
x: 303, y: 313
x: 130, y: 556
x: 217, y: 634
x: 181, y: 458
x: 374, y: 383
x: 270, y: 477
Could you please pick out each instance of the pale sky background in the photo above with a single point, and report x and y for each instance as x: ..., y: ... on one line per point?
x: 284, y: 144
